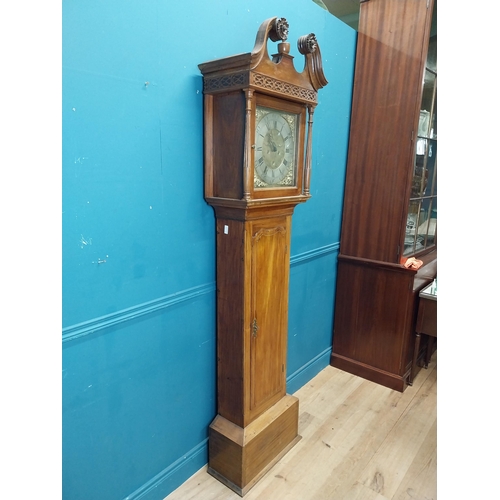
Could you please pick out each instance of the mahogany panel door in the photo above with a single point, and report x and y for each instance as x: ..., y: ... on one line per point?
x: 269, y: 307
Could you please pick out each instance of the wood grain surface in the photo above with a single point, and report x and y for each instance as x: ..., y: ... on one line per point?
x: 360, y: 441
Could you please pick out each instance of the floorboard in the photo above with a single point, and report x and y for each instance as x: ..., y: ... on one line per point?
x: 360, y: 441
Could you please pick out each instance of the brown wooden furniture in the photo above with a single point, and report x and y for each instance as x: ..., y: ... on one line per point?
x: 426, y: 323
x: 257, y: 169
x: 390, y: 201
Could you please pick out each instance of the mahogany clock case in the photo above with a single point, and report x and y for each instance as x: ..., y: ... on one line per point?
x: 257, y: 421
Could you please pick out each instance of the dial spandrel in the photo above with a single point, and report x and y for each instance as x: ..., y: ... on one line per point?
x: 275, y: 148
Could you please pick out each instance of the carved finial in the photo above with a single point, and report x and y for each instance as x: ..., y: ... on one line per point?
x: 279, y: 30
x: 307, y: 44
x: 309, y: 47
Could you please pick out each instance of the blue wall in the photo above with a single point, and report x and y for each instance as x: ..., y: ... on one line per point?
x: 138, y: 237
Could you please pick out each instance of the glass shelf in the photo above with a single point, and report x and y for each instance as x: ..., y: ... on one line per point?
x: 430, y: 291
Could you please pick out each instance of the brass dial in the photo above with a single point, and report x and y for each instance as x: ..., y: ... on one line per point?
x: 275, y: 143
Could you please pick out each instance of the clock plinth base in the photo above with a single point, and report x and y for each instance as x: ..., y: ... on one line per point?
x: 239, y: 457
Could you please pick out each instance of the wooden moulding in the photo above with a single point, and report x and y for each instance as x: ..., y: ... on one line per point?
x: 239, y: 457
x: 368, y: 372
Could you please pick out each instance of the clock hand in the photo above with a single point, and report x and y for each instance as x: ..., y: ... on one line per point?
x: 271, y: 143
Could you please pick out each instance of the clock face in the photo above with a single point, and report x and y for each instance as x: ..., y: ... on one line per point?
x: 275, y: 148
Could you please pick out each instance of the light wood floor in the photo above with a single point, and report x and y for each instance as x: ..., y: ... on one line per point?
x: 360, y: 441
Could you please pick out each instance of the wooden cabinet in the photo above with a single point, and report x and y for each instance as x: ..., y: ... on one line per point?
x: 390, y: 200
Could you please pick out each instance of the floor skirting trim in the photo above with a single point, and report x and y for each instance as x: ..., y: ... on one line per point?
x: 168, y: 479
x: 307, y: 371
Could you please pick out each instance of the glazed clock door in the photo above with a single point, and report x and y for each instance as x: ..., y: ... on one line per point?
x: 275, y: 148
x: 269, y: 297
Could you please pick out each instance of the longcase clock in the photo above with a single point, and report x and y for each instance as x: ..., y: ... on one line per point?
x: 258, y: 116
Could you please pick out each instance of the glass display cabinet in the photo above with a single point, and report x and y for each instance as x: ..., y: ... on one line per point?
x: 421, y: 225
x: 390, y: 196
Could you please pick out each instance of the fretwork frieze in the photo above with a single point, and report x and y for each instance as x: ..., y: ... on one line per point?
x: 257, y: 80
